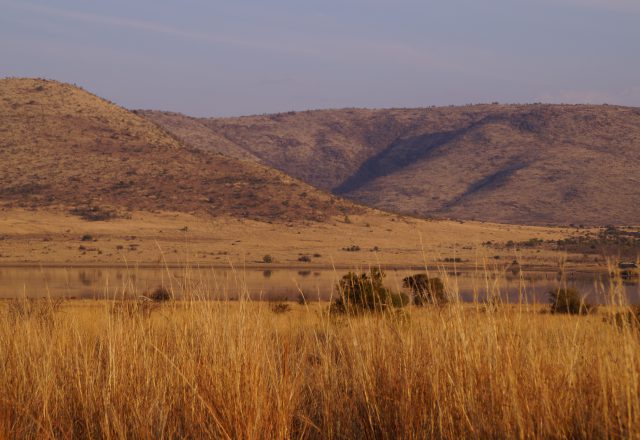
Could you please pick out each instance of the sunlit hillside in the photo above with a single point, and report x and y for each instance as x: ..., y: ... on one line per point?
x: 527, y: 164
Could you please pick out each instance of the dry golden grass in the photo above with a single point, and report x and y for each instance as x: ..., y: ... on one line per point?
x: 47, y: 236
x: 198, y: 369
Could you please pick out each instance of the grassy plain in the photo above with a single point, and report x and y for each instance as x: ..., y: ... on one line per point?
x: 206, y: 369
x: 43, y: 237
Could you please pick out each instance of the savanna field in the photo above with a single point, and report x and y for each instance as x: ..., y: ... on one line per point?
x: 195, y: 368
x: 90, y: 192
x: 342, y: 220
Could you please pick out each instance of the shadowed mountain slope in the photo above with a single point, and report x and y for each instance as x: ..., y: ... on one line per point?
x: 63, y: 147
x: 541, y: 164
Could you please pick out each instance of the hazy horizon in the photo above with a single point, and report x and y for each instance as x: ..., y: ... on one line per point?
x: 245, y: 57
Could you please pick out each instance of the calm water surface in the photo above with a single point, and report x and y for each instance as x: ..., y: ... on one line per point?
x: 277, y: 283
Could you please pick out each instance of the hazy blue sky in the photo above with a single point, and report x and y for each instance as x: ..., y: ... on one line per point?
x: 248, y: 56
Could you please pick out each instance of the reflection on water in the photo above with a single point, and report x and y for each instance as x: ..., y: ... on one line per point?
x: 280, y: 283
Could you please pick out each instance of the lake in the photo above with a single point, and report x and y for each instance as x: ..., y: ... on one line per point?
x: 106, y: 282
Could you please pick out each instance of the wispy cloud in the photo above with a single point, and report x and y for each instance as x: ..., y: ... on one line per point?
x: 138, y: 25
x: 325, y: 47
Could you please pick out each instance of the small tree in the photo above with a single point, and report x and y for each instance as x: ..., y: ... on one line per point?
x: 425, y: 290
x: 366, y: 292
x: 267, y: 259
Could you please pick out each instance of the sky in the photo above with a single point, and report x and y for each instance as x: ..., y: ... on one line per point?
x: 226, y: 58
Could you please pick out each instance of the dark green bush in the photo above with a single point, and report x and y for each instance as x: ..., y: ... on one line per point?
x: 400, y: 299
x: 569, y: 301
x: 366, y: 293
x: 425, y: 290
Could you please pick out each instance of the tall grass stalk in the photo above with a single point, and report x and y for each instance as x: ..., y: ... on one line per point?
x: 197, y: 368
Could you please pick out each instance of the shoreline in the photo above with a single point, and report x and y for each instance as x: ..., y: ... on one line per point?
x: 275, y: 266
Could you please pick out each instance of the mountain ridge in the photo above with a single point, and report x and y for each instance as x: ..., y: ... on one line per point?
x: 518, y: 163
x: 65, y: 147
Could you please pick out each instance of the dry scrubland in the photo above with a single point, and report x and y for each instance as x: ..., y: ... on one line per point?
x: 54, y: 237
x: 239, y: 370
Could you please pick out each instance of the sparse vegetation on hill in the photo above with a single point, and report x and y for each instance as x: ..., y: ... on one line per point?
x: 542, y: 164
x: 65, y: 148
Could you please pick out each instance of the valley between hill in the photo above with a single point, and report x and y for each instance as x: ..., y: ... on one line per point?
x: 525, y: 164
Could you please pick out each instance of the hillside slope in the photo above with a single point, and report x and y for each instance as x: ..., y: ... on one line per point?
x: 540, y: 164
x: 65, y: 148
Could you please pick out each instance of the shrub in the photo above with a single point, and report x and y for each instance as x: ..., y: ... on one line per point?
x: 267, y: 259
x: 161, y: 294
x: 352, y: 248
x: 304, y: 259
x: 400, y: 299
x: 87, y: 237
x: 425, y: 290
x: 95, y: 213
x: 532, y: 242
x: 569, y: 301
x: 280, y: 307
x: 365, y: 293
